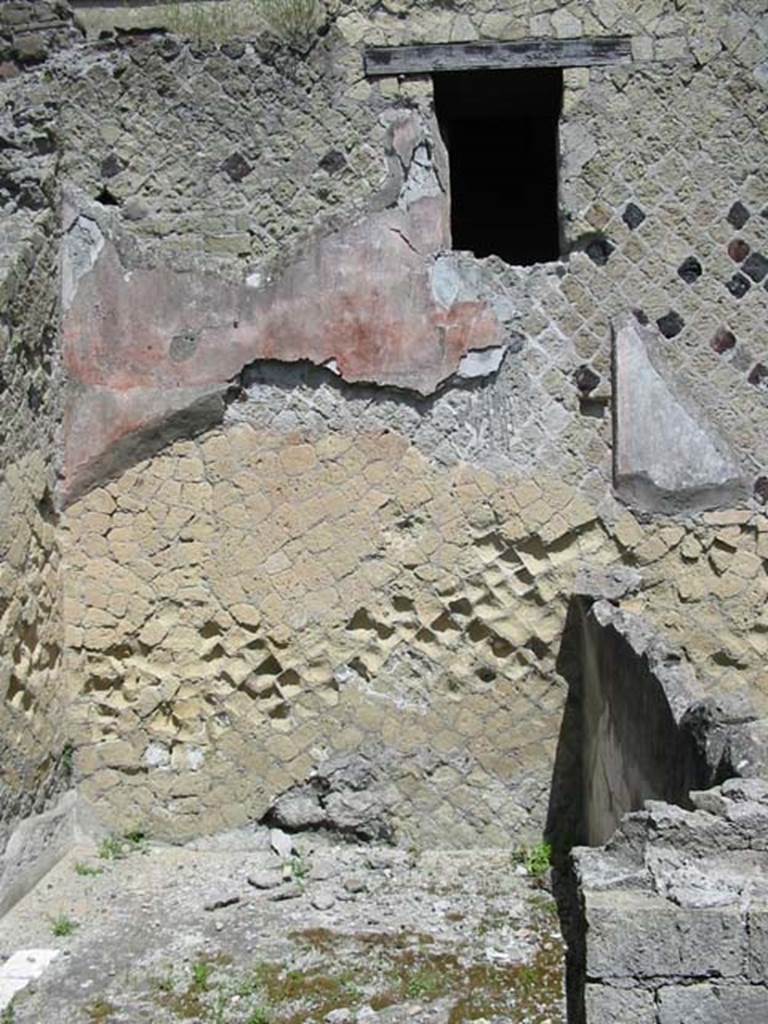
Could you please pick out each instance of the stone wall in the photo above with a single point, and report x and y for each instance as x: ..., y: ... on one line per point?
x: 674, y: 912
x: 633, y: 693
x: 329, y: 484
x: 664, y: 921
x: 36, y: 758
x: 295, y: 544
x: 32, y: 30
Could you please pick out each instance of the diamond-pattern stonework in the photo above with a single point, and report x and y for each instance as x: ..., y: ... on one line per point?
x: 370, y: 557
x: 251, y: 586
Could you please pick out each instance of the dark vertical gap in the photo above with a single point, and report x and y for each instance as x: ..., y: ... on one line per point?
x: 501, y: 132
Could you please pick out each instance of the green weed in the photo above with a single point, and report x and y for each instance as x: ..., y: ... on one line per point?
x: 111, y: 848
x: 536, y: 860
x: 86, y: 871
x: 136, y: 841
x: 67, y: 759
x: 539, y: 860
x: 100, y: 1011
x: 165, y: 983
x: 114, y: 847
x: 423, y: 985
x: 62, y: 926
x: 299, y: 868
x: 259, y: 1016
x: 201, y: 975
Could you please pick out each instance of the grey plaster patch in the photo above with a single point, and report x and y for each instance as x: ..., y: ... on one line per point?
x: 481, y: 362
x: 668, y: 458
x: 503, y: 420
x: 183, y: 346
x: 81, y: 245
x: 610, y: 584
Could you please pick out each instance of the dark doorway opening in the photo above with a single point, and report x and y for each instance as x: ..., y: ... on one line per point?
x: 501, y: 132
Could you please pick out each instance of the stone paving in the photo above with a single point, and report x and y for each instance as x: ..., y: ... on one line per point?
x: 233, y: 931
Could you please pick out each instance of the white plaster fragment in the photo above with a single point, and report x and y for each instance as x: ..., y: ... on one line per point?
x: 195, y: 758
x: 481, y: 362
x: 333, y: 366
x: 254, y: 280
x: 446, y: 283
x: 281, y: 843
x: 578, y: 146
x: 157, y: 755
x: 19, y: 970
x: 421, y: 180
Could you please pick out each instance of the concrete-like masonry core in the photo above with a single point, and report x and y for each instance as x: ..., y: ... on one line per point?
x: 310, y: 518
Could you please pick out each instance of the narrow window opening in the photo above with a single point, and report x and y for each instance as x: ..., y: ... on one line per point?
x: 501, y: 132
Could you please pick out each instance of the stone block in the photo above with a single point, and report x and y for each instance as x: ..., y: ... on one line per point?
x: 639, y: 935
x: 607, y: 1005
x: 758, y: 945
x: 709, y: 1003
x: 36, y: 845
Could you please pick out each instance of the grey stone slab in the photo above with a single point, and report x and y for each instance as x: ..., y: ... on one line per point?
x: 667, y: 456
x: 639, y: 935
x: 37, y: 843
x: 607, y: 1005
x: 758, y: 945
x: 709, y: 1003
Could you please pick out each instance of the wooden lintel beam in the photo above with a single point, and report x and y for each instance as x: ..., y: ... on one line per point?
x: 426, y: 58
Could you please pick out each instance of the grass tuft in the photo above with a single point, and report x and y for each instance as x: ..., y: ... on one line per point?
x: 86, y: 871
x: 62, y: 926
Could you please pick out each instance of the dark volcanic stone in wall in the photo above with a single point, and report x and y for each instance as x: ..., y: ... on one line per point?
x: 633, y: 216
x: 738, y: 215
x: 671, y: 324
x: 585, y: 379
x: 738, y: 250
x: 738, y: 286
x: 756, y: 267
x: 723, y: 341
x: 690, y: 270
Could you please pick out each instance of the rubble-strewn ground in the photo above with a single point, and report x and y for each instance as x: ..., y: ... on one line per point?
x: 227, y: 931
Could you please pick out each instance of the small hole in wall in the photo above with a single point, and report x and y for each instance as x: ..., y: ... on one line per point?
x: 107, y: 198
x: 501, y: 132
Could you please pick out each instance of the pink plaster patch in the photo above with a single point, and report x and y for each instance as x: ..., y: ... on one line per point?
x: 139, y: 345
